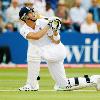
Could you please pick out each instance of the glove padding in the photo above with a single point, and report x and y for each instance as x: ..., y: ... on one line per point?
x: 55, y: 24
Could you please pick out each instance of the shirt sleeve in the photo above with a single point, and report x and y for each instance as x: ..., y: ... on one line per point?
x: 24, y: 32
x: 50, y: 32
x: 83, y: 28
x: 96, y: 28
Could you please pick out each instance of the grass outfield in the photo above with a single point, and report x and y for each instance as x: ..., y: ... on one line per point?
x: 12, y: 79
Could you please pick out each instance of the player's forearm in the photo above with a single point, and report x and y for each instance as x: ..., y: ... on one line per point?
x: 55, y: 33
x: 39, y: 34
x: 54, y: 41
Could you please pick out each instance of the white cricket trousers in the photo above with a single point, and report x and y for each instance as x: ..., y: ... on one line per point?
x: 57, y: 72
x: 54, y: 55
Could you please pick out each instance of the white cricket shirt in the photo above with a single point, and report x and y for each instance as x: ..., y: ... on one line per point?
x: 40, y: 24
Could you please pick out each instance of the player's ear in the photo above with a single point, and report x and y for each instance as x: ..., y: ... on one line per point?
x: 21, y: 21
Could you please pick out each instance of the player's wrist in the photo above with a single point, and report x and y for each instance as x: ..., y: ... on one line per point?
x: 56, y: 38
x: 55, y: 33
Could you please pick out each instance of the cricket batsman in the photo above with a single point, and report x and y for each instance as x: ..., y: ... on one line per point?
x: 44, y: 43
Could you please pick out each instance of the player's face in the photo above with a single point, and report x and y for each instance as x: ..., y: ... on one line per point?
x: 32, y: 15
